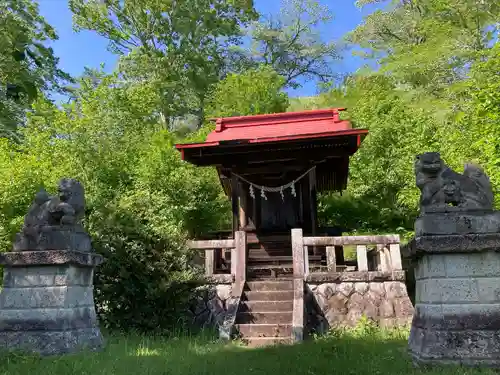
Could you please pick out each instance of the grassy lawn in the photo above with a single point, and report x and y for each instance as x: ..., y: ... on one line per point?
x: 375, y: 353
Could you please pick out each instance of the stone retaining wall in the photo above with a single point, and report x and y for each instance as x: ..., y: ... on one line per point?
x: 341, y: 301
x: 209, y: 308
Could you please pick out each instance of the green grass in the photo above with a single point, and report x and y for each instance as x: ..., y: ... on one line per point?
x: 359, y: 352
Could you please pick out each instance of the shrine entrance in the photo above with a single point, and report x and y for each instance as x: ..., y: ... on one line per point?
x: 272, y: 167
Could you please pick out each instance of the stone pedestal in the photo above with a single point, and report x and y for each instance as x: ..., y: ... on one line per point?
x: 47, y: 305
x: 457, y: 309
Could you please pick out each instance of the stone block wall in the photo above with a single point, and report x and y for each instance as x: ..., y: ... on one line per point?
x: 457, y: 315
x: 48, y: 307
x: 210, y: 306
x: 333, y: 303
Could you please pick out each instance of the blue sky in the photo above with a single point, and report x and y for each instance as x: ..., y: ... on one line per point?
x: 77, y: 50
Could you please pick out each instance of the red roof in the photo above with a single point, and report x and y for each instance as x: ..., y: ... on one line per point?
x: 317, y: 137
x: 278, y: 127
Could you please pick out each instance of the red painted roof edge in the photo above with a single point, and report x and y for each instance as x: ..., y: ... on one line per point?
x: 282, y: 117
x: 282, y: 114
x: 278, y: 139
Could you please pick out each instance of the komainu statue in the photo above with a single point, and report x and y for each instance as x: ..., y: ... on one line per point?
x: 53, y: 214
x: 443, y: 189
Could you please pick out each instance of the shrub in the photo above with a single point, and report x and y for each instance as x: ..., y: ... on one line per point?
x: 143, y: 201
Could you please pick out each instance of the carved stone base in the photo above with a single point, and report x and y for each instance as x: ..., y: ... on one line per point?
x: 458, y: 222
x: 55, y: 238
x: 47, y: 304
x: 457, y: 309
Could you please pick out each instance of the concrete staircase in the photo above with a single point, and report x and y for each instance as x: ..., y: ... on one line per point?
x: 265, y: 312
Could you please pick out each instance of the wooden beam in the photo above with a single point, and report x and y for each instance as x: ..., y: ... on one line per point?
x: 352, y: 240
x: 229, y: 158
x: 234, y: 202
x: 242, y: 206
x: 271, y: 168
x: 211, y: 244
x: 314, y: 206
x: 258, y: 211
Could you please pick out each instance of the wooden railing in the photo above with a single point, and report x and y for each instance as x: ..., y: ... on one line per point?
x: 238, y: 247
x: 373, y: 253
x: 238, y: 255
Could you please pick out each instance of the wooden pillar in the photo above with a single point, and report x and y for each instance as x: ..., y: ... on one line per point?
x: 257, y: 212
x: 209, y: 262
x: 306, y: 206
x: 331, y: 262
x: 362, y: 258
x: 242, y: 206
x: 395, y: 252
x: 313, y: 206
x: 240, y: 252
x: 234, y: 202
x: 298, y: 253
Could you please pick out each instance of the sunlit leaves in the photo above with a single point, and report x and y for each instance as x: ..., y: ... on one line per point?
x: 27, y: 66
x: 257, y: 91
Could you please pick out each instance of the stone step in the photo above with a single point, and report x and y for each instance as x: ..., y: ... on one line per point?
x: 262, y: 306
x: 259, y: 342
x: 275, y: 295
x: 264, y: 330
x: 269, y: 285
x: 268, y: 317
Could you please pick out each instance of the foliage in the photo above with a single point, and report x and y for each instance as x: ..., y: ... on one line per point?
x: 176, y: 47
x: 256, y: 91
x: 27, y: 65
x: 428, y: 44
x: 381, y: 195
x: 291, y: 43
x: 473, y: 133
x: 142, y: 200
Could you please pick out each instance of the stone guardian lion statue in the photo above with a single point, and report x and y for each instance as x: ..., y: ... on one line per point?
x: 443, y: 189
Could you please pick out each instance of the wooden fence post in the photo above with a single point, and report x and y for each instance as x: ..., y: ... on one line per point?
x: 209, y: 262
x: 240, y: 242
x: 331, y: 261
x: 298, y: 253
x: 306, y: 261
x: 395, y: 252
x: 362, y: 258
x: 384, y: 256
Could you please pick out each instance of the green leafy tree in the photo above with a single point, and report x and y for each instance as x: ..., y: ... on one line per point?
x: 256, y: 91
x: 27, y: 65
x: 473, y: 134
x: 427, y: 44
x: 143, y: 201
x: 177, y: 47
x: 292, y: 45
